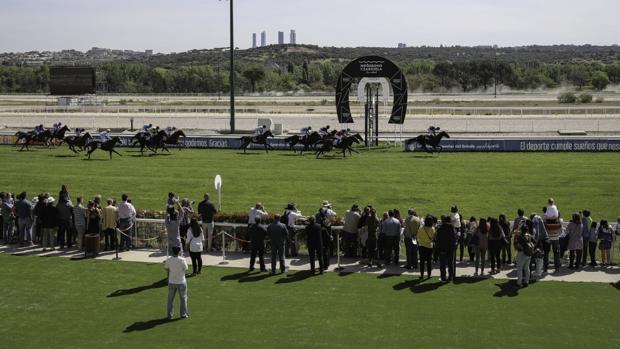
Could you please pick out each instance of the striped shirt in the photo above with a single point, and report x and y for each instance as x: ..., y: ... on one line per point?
x: 79, y: 215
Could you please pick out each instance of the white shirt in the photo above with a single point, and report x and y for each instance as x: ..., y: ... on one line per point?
x: 177, y: 267
x: 455, y: 218
x: 329, y: 213
x: 126, y: 210
x: 255, y: 212
x: 292, y: 217
x: 552, y: 212
x: 195, y: 243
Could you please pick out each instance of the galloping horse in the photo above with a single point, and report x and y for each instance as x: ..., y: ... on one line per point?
x: 78, y: 141
x: 307, y: 141
x: 173, y: 139
x: 426, y: 141
x: 143, y: 139
x: 260, y: 139
x: 30, y: 137
x: 59, y: 134
x: 106, y: 146
x: 346, y: 143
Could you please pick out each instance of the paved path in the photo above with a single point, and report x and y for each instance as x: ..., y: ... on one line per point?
x: 240, y: 260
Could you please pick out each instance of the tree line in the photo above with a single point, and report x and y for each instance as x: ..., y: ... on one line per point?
x: 424, y: 75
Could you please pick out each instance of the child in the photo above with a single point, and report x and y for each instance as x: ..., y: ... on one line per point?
x: 606, y: 236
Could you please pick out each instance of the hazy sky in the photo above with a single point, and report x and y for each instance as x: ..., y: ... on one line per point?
x: 180, y: 25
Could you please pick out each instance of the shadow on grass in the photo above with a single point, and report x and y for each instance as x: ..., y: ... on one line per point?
x: 407, y: 284
x: 234, y: 277
x: 253, y: 153
x: 616, y: 285
x: 467, y: 280
x: 258, y: 277
x: 422, y: 288
x: 157, y: 284
x: 143, y: 326
x: 507, y: 289
x: 65, y: 156
x: 298, y: 276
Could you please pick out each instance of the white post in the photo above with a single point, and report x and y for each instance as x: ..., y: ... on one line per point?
x: 338, y: 268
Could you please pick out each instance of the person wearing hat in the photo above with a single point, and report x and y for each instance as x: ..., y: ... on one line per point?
x: 49, y: 222
x: 324, y: 217
x: 349, y: 230
x: 289, y: 218
x: 104, y: 136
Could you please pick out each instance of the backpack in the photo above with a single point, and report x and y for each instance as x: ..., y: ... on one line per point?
x: 528, y: 246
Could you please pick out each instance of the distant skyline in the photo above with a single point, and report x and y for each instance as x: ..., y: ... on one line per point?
x: 176, y: 26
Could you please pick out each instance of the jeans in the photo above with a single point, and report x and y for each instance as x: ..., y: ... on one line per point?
x: 24, y: 226
x: 481, y: 254
x: 123, y: 225
x: 412, y: 251
x: 7, y: 230
x: 48, y: 239
x: 523, y: 268
x: 314, y: 252
x: 260, y: 250
x: 392, y: 247
x: 109, y: 239
x: 172, y: 290
x: 549, y: 245
x: 64, y: 233
x: 381, y: 246
x: 495, y: 247
x: 446, y: 259
x: 585, y: 251
x: 208, y: 228
x: 426, y: 254
x: 507, y: 251
x: 371, y: 246
x: 572, y: 254
x: 196, y: 261
x: 277, y: 251
x: 350, y: 244
x: 291, y: 243
x: 592, y: 250
x: 80, y: 229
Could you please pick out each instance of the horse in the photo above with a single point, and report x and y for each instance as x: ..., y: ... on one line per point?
x: 173, y: 139
x: 143, y: 139
x: 59, y: 134
x: 307, y: 141
x: 260, y: 139
x: 30, y: 137
x: 346, y: 143
x: 426, y: 141
x: 106, y: 146
x: 78, y: 141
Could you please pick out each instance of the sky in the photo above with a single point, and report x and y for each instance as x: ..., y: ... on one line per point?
x: 181, y: 25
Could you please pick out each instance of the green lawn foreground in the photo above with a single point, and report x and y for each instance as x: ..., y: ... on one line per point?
x: 482, y: 184
x: 50, y: 302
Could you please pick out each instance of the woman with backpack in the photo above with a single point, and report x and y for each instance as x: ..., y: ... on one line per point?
x: 525, y: 248
x: 575, y: 241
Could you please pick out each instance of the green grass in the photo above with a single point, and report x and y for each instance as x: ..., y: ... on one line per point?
x: 482, y: 184
x: 59, y: 303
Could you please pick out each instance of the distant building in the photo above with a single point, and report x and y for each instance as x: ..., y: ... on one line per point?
x: 253, y: 40
x: 148, y: 52
x: 293, y: 37
x: 401, y: 45
x: 280, y: 38
x: 263, y: 39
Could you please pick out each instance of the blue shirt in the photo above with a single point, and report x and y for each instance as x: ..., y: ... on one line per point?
x: 391, y: 227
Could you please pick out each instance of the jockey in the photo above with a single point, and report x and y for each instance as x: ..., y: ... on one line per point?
x: 432, y: 131
x: 169, y: 130
x: 104, y: 136
x: 305, y: 132
x: 78, y: 131
x: 38, y: 129
x: 323, y: 131
x: 340, y: 134
x: 146, y: 127
x: 260, y: 130
x: 57, y: 126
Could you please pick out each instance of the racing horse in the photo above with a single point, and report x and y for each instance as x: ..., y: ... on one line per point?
x: 173, y: 139
x: 345, y: 144
x: 29, y: 138
x: 426, y: 141
x: 307, y: 141
x: 78, y: 142
x: 260, y: 139
x: 59, y: 134
x: 105, y: 146
x: 143, y: 139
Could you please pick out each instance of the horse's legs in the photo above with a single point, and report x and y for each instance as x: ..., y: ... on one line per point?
x: 113, y: 150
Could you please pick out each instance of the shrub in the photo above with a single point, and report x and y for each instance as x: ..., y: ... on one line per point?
x: 599, y: 100
x: 585, y: 98
x: 567, y: 97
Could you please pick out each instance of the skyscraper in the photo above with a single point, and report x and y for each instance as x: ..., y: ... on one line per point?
x: 293, y: 37
x: 263, y: 39
x: 253, y: 40
x: 280, y: 38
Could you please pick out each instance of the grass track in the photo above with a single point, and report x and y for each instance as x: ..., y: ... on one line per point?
x: 59, y: 303
x: 480, y: 183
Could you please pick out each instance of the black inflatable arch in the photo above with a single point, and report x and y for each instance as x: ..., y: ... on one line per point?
x: 372, y: 67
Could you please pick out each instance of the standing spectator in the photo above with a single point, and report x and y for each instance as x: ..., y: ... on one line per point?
x: 24, y: 213
x: 575, y: 243
x: 482, y: 244
x: 586, y: 222
x: 524, y: 246
x: 552, y: 214
x: 79, y: 221
x: 496, y: 239
x: 470, y: 230
x: 63, y: 195
x: 605, y: 235
x: 185, y: 217
x: 126, y: 217
x: 455, y: 220
x: 6, y: 210
x: 553, y: 243
x: 426, y: 236
x: 257, y: 233
x: 49, y: 221
x: 207, y: 212
x: 38, y: 212
x: 362, y: 232
x: 172, y: 229
x: 446, y: 243
x: 109, y: 222
x: 277, y: 231
x: 257, y: 211
x: 324, y: 217
x: 177, y: 266
x: 381, y: 241
x: 507, y: 247
x: 315, y: 244
x: 372, y: 228
x: 391, y: 228
x: 289, y: 218
x: 412, y: 225
x: 65, y: 218
x: 93, y: 218
x: 540, y: 237
x: 349, y: 230
x: 194, y: 241
x: 592, y: 244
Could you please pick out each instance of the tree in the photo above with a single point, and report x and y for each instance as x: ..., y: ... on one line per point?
x: 254, y: 74
x: 578, y: 76
x: 444, y: 71
x: 600, y: 80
